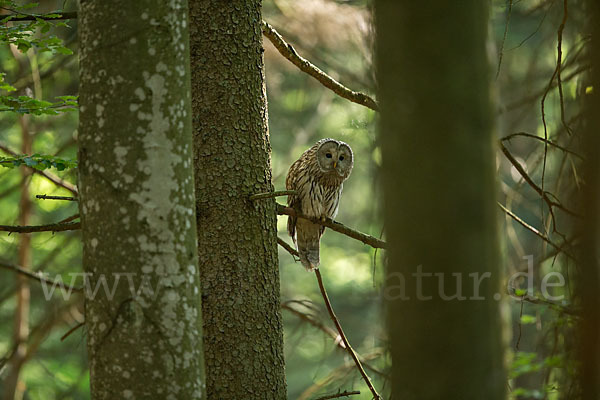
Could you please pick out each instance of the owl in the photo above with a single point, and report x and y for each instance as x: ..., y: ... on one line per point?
x: 317, y: 177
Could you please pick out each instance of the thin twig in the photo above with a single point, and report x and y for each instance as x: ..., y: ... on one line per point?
x: 501, y: 53
x: 60, y: 227
x: 551, y: 203
x: 540, y: 301
x: 376, y: 395
x: 288, y: 51
x: 345, y: 393
x: 269, y: 195
x: 46, y: 197
x: 288, y: 248
x: 38, y: 277
x: 541, y: 139
x: 73, y: 329
x: 534, y: 231
x: 335, y: 226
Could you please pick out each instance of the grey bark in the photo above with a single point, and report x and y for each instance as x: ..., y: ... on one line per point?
x: 439, y: 191
x: 237, y: 238
x: 137, y: 201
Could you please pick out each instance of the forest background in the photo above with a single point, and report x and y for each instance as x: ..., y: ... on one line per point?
x: 338, y: 37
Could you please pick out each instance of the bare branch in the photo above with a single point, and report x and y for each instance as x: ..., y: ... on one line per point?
x: 349, y: 348
x: 534, y: 231
x: 269, y: 195
x: 60, y: 227
x: 38, y: 277
x: 288, y: 51
x: 288, y: 248
x: 551, y: 203
x: 345, y: 393
x: 541, y: 139
x: 46, y: 197
x: 335, y: 226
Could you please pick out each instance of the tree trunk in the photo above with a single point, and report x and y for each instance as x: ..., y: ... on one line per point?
x: 137, y: 201
x: 440, y: 200
x: 589, y: 273
x: 237, y: 238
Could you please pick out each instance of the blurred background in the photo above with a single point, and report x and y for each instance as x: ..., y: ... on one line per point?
x: 337, y: 36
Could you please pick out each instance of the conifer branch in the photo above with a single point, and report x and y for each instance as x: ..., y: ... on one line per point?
x: 288, y: 51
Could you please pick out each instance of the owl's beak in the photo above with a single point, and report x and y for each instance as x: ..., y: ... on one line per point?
x: 334, y: 164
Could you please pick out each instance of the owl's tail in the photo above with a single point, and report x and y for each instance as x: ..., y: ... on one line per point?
x: 308, y: 242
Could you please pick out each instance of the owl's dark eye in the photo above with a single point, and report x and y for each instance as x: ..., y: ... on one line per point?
x: 328, y: 155
x: 341, y: 158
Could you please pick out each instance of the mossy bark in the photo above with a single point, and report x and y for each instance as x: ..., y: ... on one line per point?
x: 237, y: 238
x: 142, y: 308
x: 440, y: 200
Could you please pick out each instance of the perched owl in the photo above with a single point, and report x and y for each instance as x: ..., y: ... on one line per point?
x: 317, y: 177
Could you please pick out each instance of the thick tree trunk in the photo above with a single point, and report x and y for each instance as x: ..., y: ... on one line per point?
x: 439, y: 184
x: 589, y: 282
x: 237, y: 238
x: 137, y: 201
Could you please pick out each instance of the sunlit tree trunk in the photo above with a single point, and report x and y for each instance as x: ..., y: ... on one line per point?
x: 440, y: 200
x: 237, y: 239
x: 589, y: 281
x: 137, y: 201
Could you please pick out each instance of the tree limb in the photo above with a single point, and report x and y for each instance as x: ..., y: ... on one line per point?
x: 349, y: 348
x: 288, y: 51
x: 269, y: 195
x: 60, y: 227
x: 335, y: 226
x: 38, y: 277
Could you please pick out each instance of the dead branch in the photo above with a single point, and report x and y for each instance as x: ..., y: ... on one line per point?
x: 335, y: 226
x: 349, y: 348
x: 288, y: 51
x: 60, y: 227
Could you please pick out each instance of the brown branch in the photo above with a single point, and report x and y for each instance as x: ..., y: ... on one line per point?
x: 551, y: 203
x: 349, y: 348
x: 46, y: 197
x: 335, y: 226
x: 34, y: 17
x: 269, y: 195
x: 541, y: 139
x: 329, y: 332
x: 316, y: 323
x: 288, y: 51
x: 345, y: 393
x: 60, y: 227
x: 535, y: 231
x: 288, y: 248
x: 38, y: 277
x: 73, y: 329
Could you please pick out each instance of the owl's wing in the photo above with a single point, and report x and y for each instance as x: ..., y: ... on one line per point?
x: 293, y: 200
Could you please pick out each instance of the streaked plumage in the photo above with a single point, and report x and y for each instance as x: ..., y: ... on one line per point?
x: 318, y: 177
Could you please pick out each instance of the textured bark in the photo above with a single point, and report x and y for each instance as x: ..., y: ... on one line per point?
x: 439, y: 185
x: 589, y: 273
x: 137, y: 201
x: 237, y: 241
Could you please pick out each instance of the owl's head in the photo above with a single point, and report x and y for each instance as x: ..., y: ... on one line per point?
x: 334, y: 156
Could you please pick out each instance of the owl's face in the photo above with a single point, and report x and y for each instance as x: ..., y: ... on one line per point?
x: 335, y: 157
